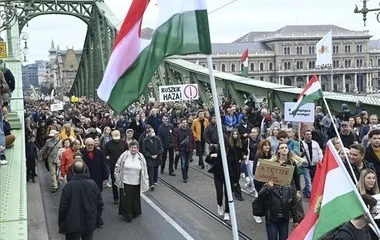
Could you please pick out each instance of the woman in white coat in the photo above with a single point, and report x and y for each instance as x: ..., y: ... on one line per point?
x: 131, y: 176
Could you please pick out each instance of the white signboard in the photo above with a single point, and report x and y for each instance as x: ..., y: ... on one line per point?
x: 56, y: 107
x: 185, y: 92
x: 304, y: 114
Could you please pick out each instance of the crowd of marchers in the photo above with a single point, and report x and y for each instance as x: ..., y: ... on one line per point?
x: 86, y: 146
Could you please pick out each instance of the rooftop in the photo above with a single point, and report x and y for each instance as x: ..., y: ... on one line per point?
x: 309, y: 31
x: 239, y: 48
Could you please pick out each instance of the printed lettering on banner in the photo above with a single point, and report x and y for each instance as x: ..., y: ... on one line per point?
x: 279, y: 174
x: 56, y: 107
x: 304, y: 114
x: 184, y: 92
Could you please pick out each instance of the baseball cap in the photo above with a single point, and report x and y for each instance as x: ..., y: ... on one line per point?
x: 344, y: 123
x: 115, y: 134
x: 52, y: 133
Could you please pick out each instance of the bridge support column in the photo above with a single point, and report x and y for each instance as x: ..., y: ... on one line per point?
x: 344, y: 83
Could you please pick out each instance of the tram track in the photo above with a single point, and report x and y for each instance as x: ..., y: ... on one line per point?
x: 205, y: 210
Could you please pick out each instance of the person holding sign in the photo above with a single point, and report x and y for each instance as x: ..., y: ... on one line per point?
x: 286, y: 157
x: 279, y: 202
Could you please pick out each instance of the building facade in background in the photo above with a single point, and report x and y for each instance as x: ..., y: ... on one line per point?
x: 30, y: 75
x: 62, y: 67
x: 287, y: 56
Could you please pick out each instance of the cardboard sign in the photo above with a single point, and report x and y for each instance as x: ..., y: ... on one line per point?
x: 304, y: 114
x: 280, y: 174
x: 184, y: 92
x: 56, y: 107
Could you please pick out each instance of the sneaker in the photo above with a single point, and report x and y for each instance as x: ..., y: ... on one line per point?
x: 226, y: 217
x: 3, y: 160
x: 152, y: 188
x: 242, y: 175
x: 162, y: 171
x: 220, y: 210
x: 247, y: 185
x: 172, y: 174
x: 257, y: 219
x: 109, y: 185
x: 155, y: 184
x: 247, y: 179
x: 255, y: 193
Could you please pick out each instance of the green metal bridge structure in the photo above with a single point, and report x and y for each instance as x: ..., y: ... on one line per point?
x: 101, y: 32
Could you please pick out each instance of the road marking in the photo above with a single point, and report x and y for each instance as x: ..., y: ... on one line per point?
x: 167, y: 218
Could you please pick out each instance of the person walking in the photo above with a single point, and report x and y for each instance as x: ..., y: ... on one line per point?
x: 166, y: 134
x: 79, y: 206
x: 131, y: 176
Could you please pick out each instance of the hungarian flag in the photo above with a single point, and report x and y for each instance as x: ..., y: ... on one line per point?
x: 244, y: 60
x: 182, y: 29
x: 335, y: 199
x: 311, y: 93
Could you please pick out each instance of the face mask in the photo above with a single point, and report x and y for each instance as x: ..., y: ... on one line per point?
x: 153, y: 134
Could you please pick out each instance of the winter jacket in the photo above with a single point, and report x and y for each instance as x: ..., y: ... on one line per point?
x: 196, y: 128
x: 166, y: 134
x: 152, y: 146
x: 80, y: 205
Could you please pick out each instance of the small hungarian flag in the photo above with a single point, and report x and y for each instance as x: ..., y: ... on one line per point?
x: 311, y: 93
x: 244, y: 60
x: 335, y: 199
x: 182, y: 29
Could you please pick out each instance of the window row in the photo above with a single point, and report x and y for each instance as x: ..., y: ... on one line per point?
x: 347, y: 49
x: 251, y: 67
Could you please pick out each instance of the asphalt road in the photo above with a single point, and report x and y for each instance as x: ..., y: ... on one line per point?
x: 166, y: 214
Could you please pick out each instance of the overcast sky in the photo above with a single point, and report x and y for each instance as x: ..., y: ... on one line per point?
x: 226, y: 24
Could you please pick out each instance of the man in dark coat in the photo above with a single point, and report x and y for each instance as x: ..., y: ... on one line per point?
x: 80, y: 203
x: 152, y: 150
x: 95, y: 160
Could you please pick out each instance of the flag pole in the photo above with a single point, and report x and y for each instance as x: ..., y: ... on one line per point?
x: 222, y: 149
x: 340, y: 139
x: 367, y: 211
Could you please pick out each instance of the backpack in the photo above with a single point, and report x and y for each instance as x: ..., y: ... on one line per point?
x: 333, y: 233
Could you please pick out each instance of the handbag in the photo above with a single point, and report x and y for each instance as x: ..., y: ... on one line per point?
x: 258, y: 207
x: 210, y: 164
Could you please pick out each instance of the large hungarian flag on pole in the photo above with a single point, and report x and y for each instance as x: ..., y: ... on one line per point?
x: 311, y: 93
x: 182, y: 29
x: 244, y: 61
x: 336, y: 199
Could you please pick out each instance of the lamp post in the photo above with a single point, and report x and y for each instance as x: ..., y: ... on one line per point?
x: 365, y: 10
x: 24, y: 51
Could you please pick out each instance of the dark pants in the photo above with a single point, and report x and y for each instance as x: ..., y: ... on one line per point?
x: 235, y: 166
x: 185, y: 161
x: 130, y: 202
x: 278, y: 230
x: 30, y: 169
x: 78, y: 236
x: 171, y: 158
x: 153, y: 175
x: 115, y: 192
x: 220, y: 184
x: 200, y: 147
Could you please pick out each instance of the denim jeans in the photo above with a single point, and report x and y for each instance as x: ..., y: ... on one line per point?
x: 306, y: 175
x: 244, y: 169
x: 2, y: 136
x: 185, y: 158
x: 278, y: 230
x: 9, y: 100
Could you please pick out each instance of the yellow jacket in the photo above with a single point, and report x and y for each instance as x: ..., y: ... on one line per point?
x: 196, y: 128
x: 63, y: 135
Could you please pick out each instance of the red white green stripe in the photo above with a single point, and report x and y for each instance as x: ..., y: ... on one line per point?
x: 311, y: 93
x: 182, y: 29
x: 244, y: 60
x: 336, y: 199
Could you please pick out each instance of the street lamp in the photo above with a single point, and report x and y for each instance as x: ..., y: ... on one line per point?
x: 24, y: 52
x: 366, y: 10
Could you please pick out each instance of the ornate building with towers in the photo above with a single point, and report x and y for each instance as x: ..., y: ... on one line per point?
x: 62, y: 67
